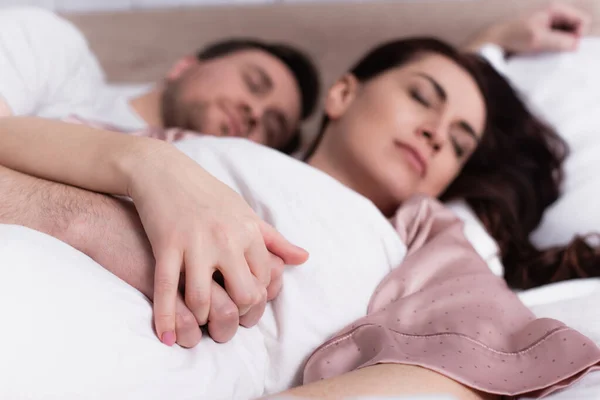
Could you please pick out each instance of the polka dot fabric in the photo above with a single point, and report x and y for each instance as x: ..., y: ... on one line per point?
x: 443, y: 309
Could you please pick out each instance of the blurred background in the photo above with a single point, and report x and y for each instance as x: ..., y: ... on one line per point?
x: 137, y: 41
x: 104, y: 5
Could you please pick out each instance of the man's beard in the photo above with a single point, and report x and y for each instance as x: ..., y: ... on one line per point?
x: 178, y: 114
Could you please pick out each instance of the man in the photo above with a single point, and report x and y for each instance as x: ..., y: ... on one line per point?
x: 243, y: 88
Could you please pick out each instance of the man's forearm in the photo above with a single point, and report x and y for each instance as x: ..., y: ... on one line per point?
x: 41, y: 205
x: 103, y: 227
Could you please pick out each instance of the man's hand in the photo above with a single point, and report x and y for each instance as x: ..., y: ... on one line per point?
x: 558, y: 27
x: 110, y: 232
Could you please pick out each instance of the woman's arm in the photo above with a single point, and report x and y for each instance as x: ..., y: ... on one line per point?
x: 192, y: 220
x: 386, y: 380
x: 77, y: 155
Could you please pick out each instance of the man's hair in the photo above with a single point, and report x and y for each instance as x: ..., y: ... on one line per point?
x: 299, y: 63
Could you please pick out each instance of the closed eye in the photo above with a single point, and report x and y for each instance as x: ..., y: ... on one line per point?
x: 419, y: 98
x: 253, y: 83
x: 257, y: 80
x: 458, y: 149
x: 276, y: 127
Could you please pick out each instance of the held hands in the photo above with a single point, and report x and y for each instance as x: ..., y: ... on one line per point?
x: 197, y: 226
x: 558, y: 27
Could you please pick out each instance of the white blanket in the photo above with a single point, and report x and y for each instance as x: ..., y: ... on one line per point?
x: 72, y: 330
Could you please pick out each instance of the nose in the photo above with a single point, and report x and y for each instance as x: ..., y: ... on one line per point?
x: 431, y: 138
x: 250, y: 118
x: 433, y: 134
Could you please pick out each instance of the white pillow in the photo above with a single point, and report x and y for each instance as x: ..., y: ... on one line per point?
x: 476, y: 234
x: 564, y: 89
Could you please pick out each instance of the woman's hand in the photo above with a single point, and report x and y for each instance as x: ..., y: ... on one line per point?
x: 558, y: 27
x: 197, y: 226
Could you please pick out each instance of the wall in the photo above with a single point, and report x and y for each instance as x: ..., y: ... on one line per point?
x: 102, y: 5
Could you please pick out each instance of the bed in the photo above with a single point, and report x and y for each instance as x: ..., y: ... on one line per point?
x: 134, y: 51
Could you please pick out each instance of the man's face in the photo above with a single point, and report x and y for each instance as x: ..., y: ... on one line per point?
x: 247, y: 93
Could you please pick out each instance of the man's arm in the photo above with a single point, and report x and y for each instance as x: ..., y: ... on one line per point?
x: 557, y: 27
x: 105, y: 228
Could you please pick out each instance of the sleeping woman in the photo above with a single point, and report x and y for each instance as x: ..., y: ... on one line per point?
x: 401, y: 301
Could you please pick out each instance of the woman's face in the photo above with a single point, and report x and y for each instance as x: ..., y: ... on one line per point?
x: 407, y: 131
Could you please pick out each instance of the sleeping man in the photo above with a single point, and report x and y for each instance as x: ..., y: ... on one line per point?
x: 241, y: 88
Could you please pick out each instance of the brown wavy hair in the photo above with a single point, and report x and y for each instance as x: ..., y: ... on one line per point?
x: 512, y: 177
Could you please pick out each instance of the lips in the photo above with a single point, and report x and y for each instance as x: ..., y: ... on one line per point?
x: 414, y: 157
x: 233, y: 120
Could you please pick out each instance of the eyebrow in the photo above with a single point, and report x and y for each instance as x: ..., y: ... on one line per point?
x: 441, y: 93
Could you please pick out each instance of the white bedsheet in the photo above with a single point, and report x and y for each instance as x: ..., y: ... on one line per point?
x: 71, y: 330
x: 74, y: 331
x: 576, y: 304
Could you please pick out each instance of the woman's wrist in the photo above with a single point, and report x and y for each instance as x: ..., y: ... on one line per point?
x: 133, y: 162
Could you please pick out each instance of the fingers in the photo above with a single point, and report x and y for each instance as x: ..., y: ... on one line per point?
x: 223, y: 319
x: 166, y: 279
x: 198, y: 280
x: 256, y: 312
x: 279, y: 246
x: 565, y: 15
x: 258, y: 259
x: 251, y: 277
x: 186, y: 327
x: 585, y: 26
x: 223, y: 316
x: 243, y: 288
x: 276, y: 283
x: 557, y: 28
x: 276, y: 267
x: 557, y: 41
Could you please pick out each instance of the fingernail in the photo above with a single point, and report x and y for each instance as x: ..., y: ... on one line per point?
x: 168, y: 338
